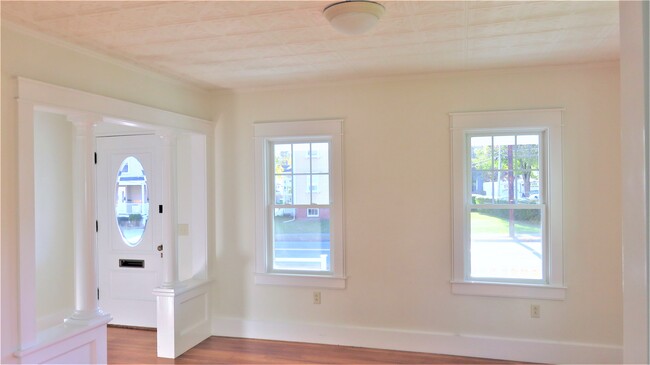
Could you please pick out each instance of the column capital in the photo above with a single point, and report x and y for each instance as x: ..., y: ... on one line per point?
x: 81, y: 120
x: 167, y: 136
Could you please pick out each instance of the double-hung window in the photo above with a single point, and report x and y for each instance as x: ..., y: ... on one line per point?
x: 299, y: 238
x: 507, y: 203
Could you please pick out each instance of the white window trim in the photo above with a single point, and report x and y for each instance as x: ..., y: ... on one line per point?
x: 548, y: 121
x: 264, y: 133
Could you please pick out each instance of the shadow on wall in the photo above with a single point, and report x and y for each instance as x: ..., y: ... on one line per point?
x: 230, y: 265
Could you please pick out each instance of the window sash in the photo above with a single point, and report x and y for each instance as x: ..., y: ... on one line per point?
x: 271, y: 199
x: 515, y: 132
x: 270, y: 178
x: 469, y: 205
x: 543, y: 237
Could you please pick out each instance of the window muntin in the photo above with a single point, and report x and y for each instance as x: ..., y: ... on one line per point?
x: 506, y: 240
x: 300, y: 231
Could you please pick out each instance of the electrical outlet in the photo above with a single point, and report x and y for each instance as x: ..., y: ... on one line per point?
x: 535, y: 311
x: 316, y: 297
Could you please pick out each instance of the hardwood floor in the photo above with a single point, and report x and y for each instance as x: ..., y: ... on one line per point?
x: 132, y: 346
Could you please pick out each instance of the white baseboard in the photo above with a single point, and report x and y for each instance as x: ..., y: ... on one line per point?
x: 438, y: 343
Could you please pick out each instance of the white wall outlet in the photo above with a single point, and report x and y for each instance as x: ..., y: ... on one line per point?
x: 535, y: 311
x: 316, y: 297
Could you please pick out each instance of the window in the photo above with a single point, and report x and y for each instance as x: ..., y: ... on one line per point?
x: 299, y: 239
x: 507, y: 204
x: 131, y: 201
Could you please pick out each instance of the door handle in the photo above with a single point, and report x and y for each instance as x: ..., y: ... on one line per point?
x: 160, y: 247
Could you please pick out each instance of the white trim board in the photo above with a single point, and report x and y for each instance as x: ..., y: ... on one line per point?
x: 430, y: 342
x: 50, y: 97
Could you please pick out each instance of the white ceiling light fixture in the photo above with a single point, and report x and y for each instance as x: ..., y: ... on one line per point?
x: 354, y: 16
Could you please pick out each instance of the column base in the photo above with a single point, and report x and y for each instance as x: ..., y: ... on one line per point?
x: 167, y: 285
x: 88, y: 318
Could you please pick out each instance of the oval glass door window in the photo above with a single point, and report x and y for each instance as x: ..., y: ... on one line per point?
x: 131, y: 201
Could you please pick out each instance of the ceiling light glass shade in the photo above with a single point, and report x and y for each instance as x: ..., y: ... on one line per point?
x: 354, y: 17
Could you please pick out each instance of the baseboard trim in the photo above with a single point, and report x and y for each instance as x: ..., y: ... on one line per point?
x: 439, y: 343
x: 151, y: 329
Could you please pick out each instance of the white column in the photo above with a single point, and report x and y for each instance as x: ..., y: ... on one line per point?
x: 170, y: 265
x: 85, y: 271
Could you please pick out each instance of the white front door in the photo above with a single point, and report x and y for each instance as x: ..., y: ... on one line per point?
x: 129, y: 194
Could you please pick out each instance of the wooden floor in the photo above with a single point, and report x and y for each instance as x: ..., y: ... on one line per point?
x: 132, y: 346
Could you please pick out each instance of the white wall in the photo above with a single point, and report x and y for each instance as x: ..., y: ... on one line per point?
x: 56, y: 63
x: 191, y: 182
x: 53, y: 144
x: 397, y: 187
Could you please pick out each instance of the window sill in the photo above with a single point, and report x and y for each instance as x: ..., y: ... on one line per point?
x: 300, y: 280
x: 504, y: 290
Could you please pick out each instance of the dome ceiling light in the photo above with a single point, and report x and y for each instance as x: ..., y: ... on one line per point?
x: 354, y: 16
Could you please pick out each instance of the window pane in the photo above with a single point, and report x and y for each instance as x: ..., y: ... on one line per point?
x: 506, y: 243
x: 504, y: 188
x: 528, y: 187
x: 283, y: 189
x: 527, y: 153
x: 282, y: 155
x: 300, y: 241
x: 481, y: 153
x: 320, y: 189
x: 320, y: 158
x: 504, y: 147
x: 301, y: 158
x: 302, y: 187
x: 482, y: 187
x: 131, y: 201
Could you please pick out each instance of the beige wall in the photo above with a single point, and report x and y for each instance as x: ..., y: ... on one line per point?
x: 35, y: 58
x: 397, y: 187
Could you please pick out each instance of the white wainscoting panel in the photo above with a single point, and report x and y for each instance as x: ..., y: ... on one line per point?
x: 183, y: 317
x: 68, y: 344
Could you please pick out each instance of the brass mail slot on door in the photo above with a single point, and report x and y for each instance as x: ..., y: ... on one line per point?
x: 132, y: 263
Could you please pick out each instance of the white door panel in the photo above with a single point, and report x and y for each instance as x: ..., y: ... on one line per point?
x: 128, y: 195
